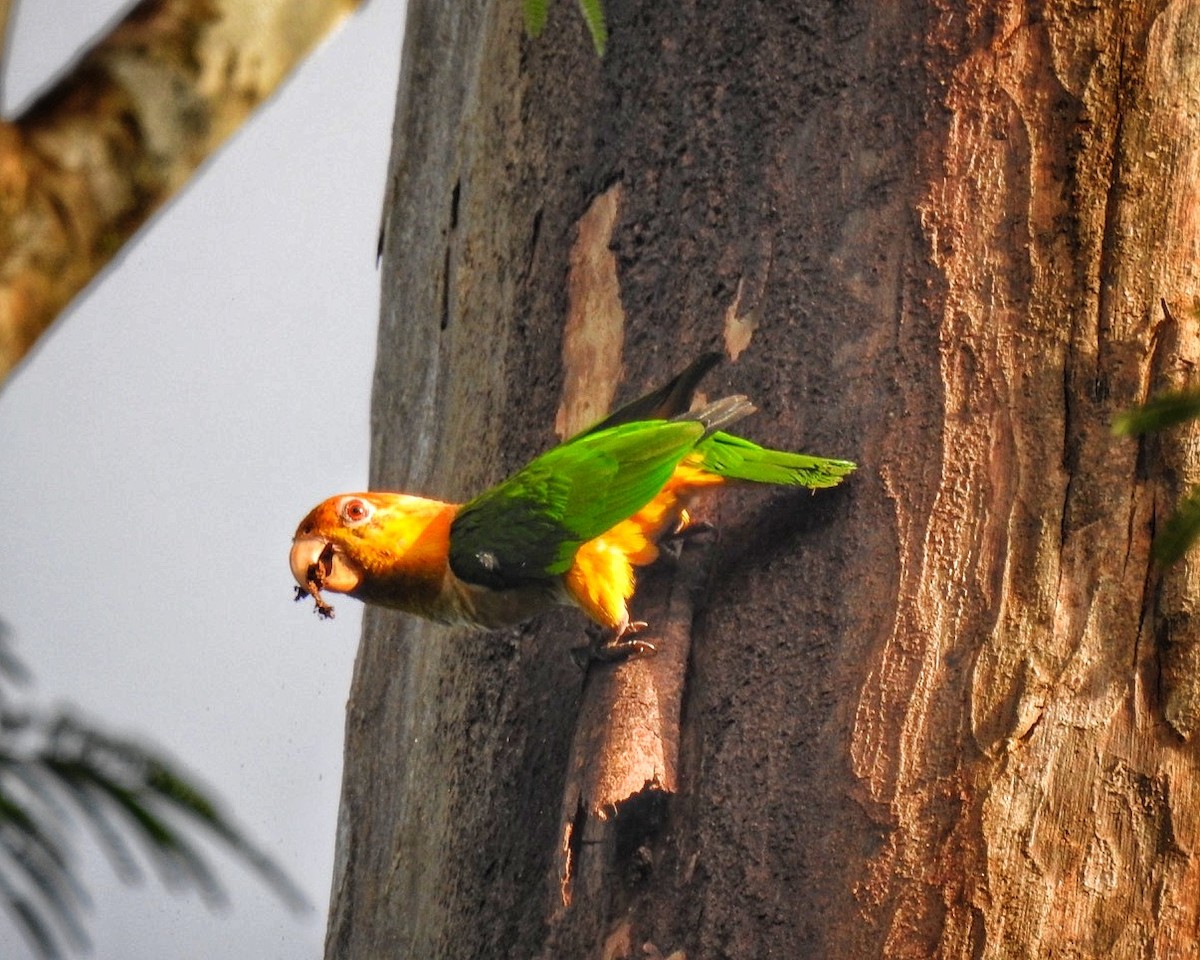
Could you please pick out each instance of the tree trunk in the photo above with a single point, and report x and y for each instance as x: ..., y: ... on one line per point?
x: 945, y: 710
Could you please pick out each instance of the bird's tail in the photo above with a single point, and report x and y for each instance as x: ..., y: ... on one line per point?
x: 737, y: 459
x: 720, y: 413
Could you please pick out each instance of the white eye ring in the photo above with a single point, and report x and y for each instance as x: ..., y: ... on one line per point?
x: 355, y: 510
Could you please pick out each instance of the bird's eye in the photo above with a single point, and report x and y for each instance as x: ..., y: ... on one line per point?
x: 355, y: 511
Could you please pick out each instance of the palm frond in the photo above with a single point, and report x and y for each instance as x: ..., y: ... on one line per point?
x: 56, y: 770
x: 44, y: 894
x: 46, y: 873
x: 30, y: 920
x: 98, y: 817
x: 150, y: 791
x: 186, y: 798
x: 178, y: 864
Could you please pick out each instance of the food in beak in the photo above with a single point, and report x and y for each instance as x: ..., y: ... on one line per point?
x: 312, y: 572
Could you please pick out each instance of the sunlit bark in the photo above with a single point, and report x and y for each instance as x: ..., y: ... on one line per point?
x: 947, y: 710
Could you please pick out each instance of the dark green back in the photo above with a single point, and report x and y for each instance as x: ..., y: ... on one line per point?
x: 530, y: 526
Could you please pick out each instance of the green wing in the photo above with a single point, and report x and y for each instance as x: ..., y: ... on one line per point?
x: 672, y: 399
x: 737, y: 459
x: 530, y: 526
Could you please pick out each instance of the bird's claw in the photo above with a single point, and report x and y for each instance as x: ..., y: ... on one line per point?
x: 688, y: 528
x: 616, y: 650
x: 620, y: 646
x: 685, y: 531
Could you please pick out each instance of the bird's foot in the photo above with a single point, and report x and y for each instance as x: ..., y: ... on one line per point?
x: 686, y: 531
x: 688, y: 527
x: 621, y: 646
x: 613, y: 649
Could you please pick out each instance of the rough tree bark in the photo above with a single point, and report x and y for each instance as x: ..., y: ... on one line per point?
x: 949, y: 709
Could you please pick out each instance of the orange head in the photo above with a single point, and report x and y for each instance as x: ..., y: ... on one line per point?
x: 387, y: 548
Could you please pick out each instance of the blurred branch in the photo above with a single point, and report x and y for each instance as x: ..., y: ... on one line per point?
x: 56, y: 769
x: 85, y: 166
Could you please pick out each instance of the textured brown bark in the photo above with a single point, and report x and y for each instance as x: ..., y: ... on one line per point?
x: 624, y: 756
x: 98, y: 154
x: 947, y: 710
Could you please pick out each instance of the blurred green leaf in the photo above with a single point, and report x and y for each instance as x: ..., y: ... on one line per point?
x: 1165, y: 410
x: 535, y: 13
x: 535, y: 16
x: 593, y: 15
x: 1180, y: 531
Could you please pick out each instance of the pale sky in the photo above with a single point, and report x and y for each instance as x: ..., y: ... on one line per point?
x: 156, y: 453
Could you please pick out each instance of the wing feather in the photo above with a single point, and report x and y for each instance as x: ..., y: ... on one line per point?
x: 529, y: 527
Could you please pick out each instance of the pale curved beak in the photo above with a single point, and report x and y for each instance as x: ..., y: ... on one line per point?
x: 318, y: 563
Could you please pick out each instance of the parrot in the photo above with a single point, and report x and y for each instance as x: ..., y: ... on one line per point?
x: 569, y: 528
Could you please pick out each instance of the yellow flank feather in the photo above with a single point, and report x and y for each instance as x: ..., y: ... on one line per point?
x: 601, y: 577
x: 601, y: 581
